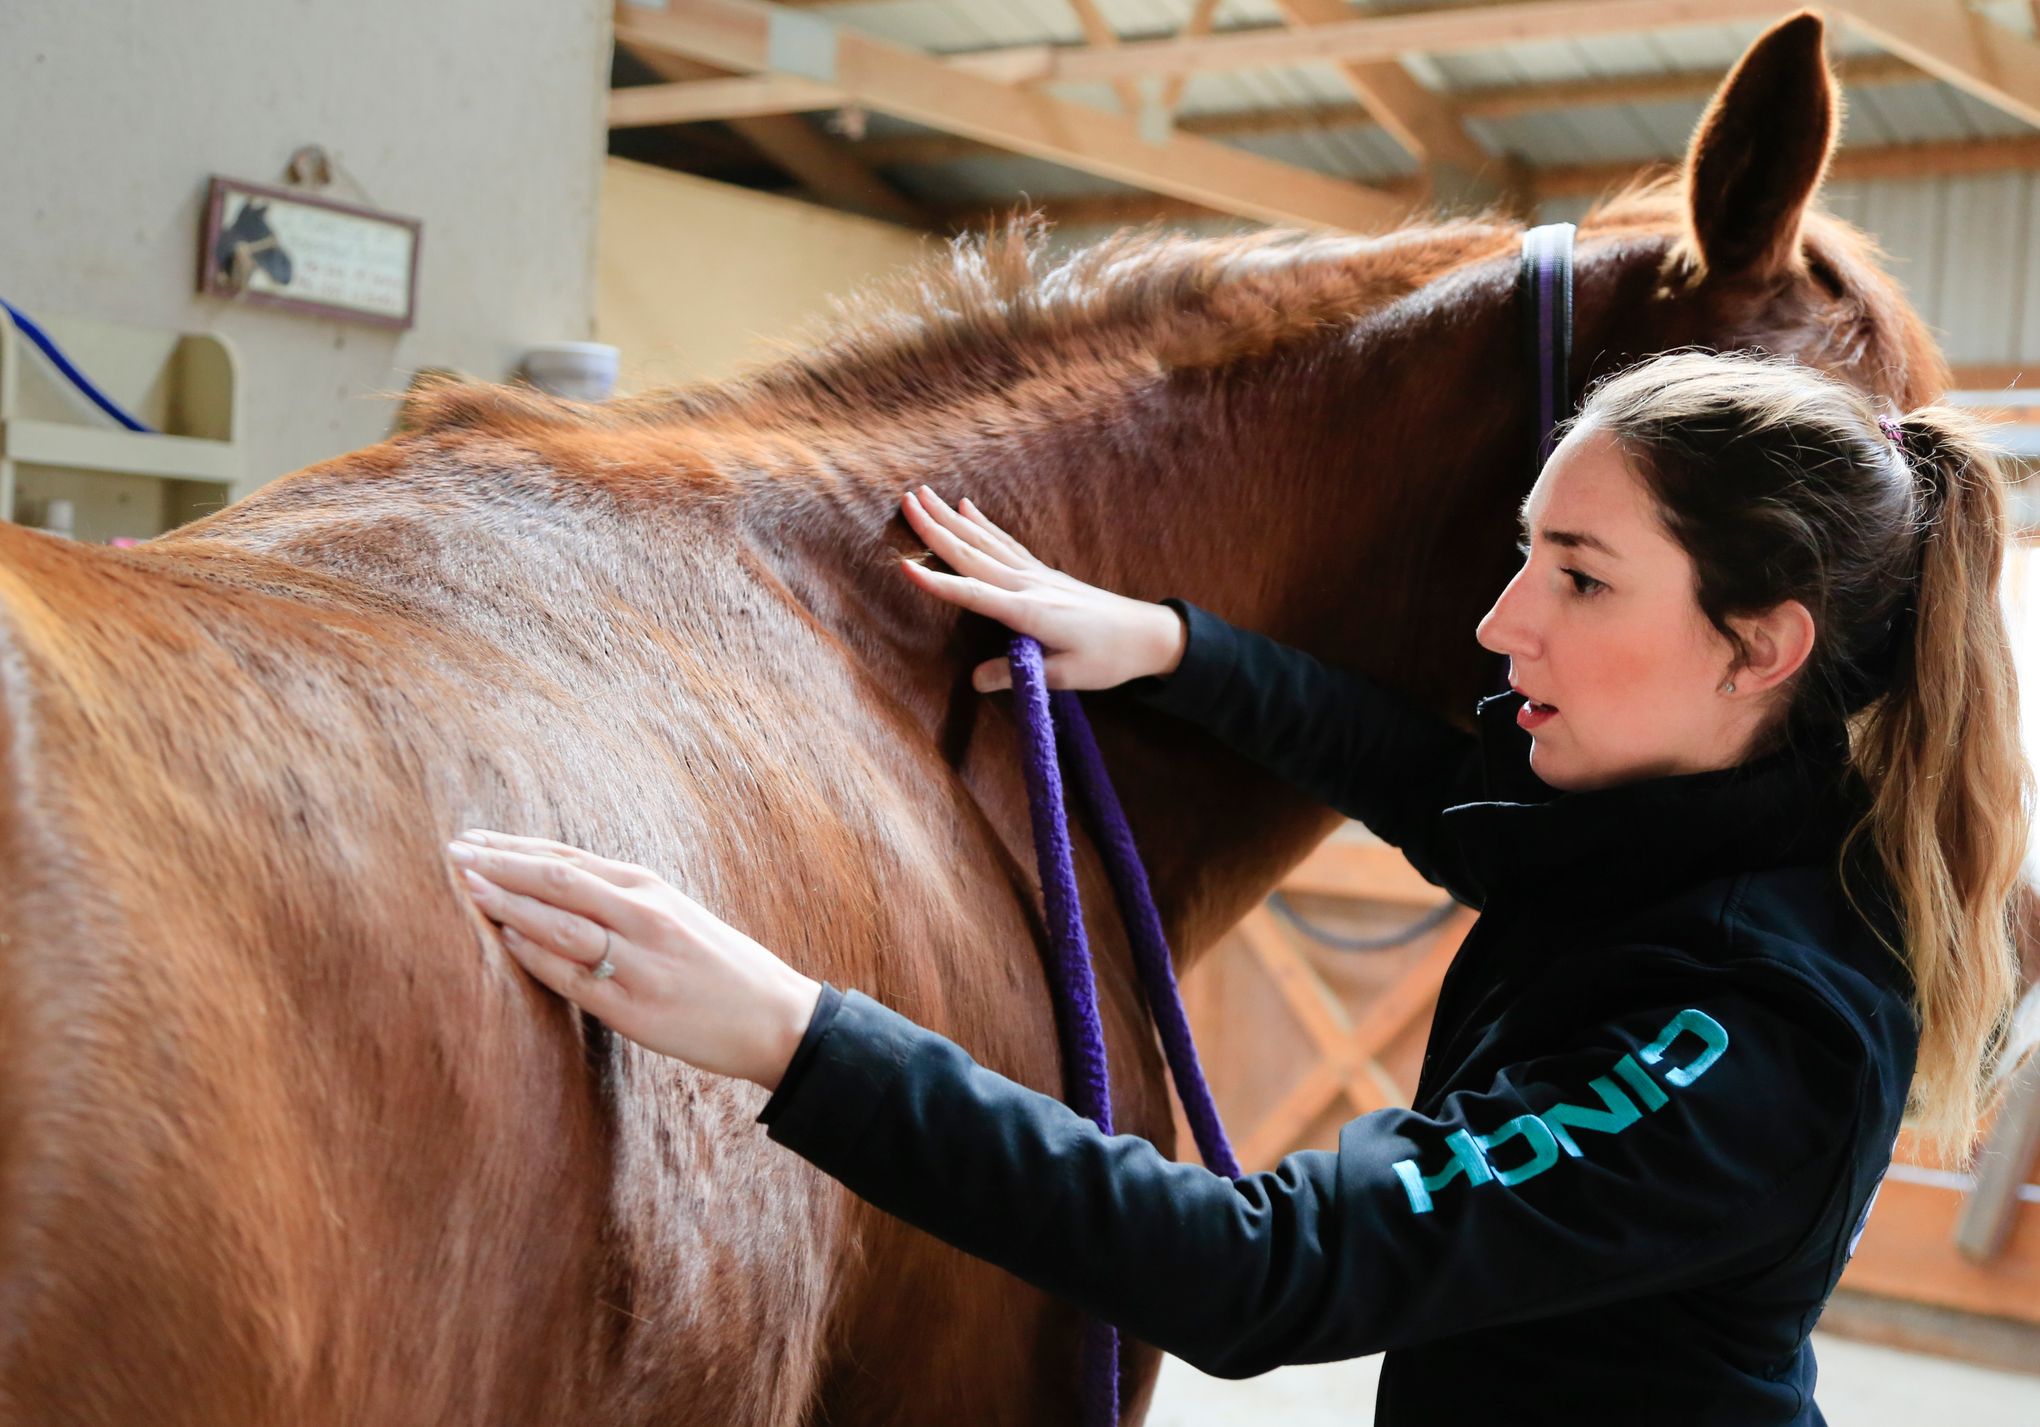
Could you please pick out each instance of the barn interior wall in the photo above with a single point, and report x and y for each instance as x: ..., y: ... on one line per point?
x: 483, y: 119
x: 698, y: 280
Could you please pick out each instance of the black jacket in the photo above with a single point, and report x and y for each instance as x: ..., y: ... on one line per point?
x: 1662, y: 1085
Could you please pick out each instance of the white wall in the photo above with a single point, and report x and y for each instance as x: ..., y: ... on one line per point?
x: 482, y: 117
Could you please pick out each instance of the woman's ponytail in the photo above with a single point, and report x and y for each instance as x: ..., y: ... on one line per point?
x: 1952, y: 793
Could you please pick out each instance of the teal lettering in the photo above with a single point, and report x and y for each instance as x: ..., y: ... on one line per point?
x: 1700, y: 1024
x: 1543, y: 1148
x: 1647, y: 1090
x: 1618, y: 1114
x: 1466, y: 1160
x: 1547, y: 1134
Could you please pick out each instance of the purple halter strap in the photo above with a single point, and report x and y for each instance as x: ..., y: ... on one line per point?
x: 1056, y: 719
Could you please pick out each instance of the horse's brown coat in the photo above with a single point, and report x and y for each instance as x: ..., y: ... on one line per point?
x: 286, y: 1139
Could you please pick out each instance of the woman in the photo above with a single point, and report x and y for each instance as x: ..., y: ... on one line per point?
x: 1745, y: 904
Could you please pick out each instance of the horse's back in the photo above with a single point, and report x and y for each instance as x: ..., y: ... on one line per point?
x: 284, y: 1137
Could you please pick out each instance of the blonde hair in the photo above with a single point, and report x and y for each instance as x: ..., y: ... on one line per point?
x: 1783, y: 483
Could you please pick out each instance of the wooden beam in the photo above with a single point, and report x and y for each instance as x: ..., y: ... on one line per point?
x: 1500, y: 102
x: 1949, y: 40
x: 690, y: 101
x: 1199, y: 23
x: 825, y: 168
x: 785, y: 94
x: 735, y: 34
x: 1338, y: 867
x: 1382, y: 37
x: 1514, y: 101
x: 1901, y: 161
x: 1098, y: 30
x: 1425, y: 124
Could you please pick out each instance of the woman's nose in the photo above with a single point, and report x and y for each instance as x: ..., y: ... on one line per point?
x: 1501, y: 630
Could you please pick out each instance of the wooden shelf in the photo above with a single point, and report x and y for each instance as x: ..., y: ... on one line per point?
x: 56, y: 445
x: 81, y: 448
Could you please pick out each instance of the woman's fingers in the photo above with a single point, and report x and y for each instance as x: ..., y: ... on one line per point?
x: 961, y: 555
x: 973, y: 595
x: 551, y: 881
x: 570, y: 978
x: 623, y: 874
x: 991, y: 676
x: 569, y: 934
x: 1014, y: 549
x: 970, y: 532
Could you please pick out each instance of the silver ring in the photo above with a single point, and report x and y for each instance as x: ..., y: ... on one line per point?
x: 605, y: 968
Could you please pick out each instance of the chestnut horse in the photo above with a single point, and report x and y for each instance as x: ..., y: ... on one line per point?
x: 285, y: 1138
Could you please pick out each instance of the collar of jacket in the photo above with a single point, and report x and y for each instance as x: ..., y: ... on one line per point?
x: 1635, y: 841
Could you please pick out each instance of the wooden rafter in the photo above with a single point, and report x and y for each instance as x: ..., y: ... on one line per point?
x: 825, y: 168
x: 767, y: 94
x: 690, y: 101
x: 1382, y: 37
x: 1898, y: 161
x: 736, y: 35
x: 1098, y: 30
x: 1489, y: 103
x: 1425, y: 124
x: 1199, y: 23
x: 1952, y: 42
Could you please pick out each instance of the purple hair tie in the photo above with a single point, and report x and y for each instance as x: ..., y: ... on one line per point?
x: 1893, y: 432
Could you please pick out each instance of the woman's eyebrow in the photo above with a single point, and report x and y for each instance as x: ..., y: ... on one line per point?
x: 1567, y: 539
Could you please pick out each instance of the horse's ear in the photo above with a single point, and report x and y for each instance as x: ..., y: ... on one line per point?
x: 1760, y: 150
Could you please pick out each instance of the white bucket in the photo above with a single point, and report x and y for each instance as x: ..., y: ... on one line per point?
x: 578, y: 371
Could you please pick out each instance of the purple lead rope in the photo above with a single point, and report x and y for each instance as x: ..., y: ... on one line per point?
x: 1048, y: 721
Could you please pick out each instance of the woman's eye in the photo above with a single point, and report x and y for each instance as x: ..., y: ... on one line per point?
x: 1582, y: 584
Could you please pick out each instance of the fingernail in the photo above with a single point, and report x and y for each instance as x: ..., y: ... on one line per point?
x: 475, y: 834
x: 477, y: 882
x: 460, y: 852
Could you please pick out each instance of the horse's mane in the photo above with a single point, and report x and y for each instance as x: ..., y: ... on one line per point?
x: 999, y: 306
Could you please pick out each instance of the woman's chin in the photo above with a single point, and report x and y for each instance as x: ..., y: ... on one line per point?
x: 1553, y: 770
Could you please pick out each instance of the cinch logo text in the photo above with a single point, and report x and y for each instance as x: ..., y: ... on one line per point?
x: 1545, y: 1136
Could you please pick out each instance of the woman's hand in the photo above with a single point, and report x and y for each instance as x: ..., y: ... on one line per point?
x: 683, y: 983
x: 1090, y: 638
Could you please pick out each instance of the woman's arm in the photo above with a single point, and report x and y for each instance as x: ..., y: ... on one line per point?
x: 1351, y: 742
x: 1671, y: 1146
x: 1676, y: 1123
x: 1346, y: 740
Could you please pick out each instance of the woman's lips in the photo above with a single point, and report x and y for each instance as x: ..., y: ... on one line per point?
x: 1534, y: 715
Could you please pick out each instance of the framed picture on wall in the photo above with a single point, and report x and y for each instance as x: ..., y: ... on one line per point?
x: 287, y: 248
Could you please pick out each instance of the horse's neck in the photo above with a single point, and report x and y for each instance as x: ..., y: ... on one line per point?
x: 1279, y: 495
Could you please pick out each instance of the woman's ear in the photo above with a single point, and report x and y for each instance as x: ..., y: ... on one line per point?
x: 1776, y: 644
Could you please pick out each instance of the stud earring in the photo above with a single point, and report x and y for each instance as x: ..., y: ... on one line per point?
x: 1728, y: 687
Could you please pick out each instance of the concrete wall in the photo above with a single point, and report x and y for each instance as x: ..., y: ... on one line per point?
x: 484, y: 118
x: 699, y: 279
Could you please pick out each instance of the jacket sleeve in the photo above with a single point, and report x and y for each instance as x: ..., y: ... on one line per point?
x: 1349, y: 741
x: 1676, y: 1145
